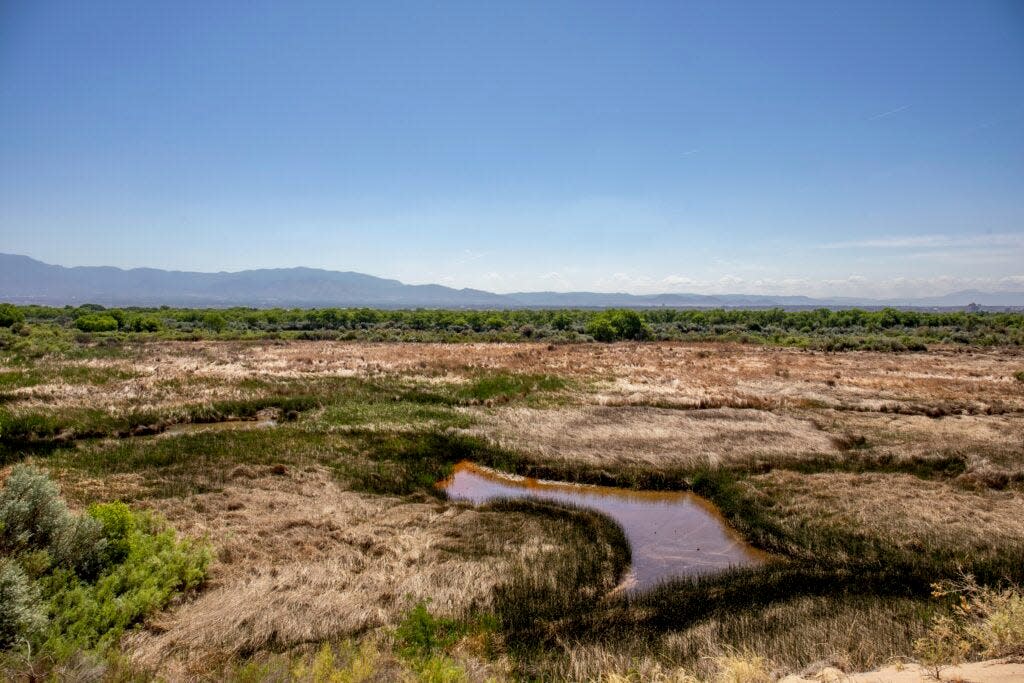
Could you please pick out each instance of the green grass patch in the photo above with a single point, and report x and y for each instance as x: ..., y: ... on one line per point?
x: 371, y: 404
x: 401, y: 463
x: 19, y: 379
x: 198, y: 462
x: 508, y: 385
x: 421, y: 635
x: 22, y: 431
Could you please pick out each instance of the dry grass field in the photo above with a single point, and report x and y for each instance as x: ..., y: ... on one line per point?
x: 867, y: 474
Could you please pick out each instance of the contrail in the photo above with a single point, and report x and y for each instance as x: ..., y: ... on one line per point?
x: 884, y: 114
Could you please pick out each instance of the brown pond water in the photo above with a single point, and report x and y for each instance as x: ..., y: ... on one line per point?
x: 671, y: 534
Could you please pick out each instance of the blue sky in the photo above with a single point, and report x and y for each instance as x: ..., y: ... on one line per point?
x: 860, y: 148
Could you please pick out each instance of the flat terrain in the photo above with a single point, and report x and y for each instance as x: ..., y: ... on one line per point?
x: 868, y: 475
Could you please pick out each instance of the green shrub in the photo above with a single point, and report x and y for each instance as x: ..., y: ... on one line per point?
x: 601, y: 330
x: 144, y: 324
x: 97, y: 573
x: 614, y: 325
x: 118, y: 524
x: 215, y: 321
x: 1019, y: 375
x: 156, y: 566
x: 21, y: 615
x: 421, y: 634
x: 95, y: 322
x: 10, y: 315
x: 33, y: 517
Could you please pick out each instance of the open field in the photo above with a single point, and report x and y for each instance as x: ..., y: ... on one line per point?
x: 867, y: 475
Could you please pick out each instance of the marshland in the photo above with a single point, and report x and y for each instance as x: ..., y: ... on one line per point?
x: 275, y: 479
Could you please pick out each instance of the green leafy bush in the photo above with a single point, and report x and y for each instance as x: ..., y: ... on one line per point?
x: 144, y: 324
x: 215, y: 321
x: 95, y: 322
x: 10, y: 315
x: 118, y: 524
x: 601, y: 330
x: 614, y: 325
x: 76, y: 582
x: 93, y: 615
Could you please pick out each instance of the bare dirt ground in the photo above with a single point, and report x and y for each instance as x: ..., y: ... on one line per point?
x: 990, y: 671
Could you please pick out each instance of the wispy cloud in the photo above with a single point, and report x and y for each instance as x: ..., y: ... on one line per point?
x: 554, y: 279
x: 470, y: 255
x: 932, y: 242
x: 853, y: 285
x: 891, y: 112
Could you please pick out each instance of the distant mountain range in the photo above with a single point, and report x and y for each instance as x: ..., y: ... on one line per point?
x: 25, y: 280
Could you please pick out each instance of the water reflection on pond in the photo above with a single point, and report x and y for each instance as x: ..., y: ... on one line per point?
x: 671, y: 534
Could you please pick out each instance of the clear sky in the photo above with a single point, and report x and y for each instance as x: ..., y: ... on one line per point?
x: 864, y: 148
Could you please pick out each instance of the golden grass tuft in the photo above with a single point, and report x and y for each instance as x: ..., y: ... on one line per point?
x: 300, y: 560
x: 661, y: 438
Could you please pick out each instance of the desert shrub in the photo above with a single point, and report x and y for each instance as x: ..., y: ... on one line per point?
x: 93, y: 615
x: 10, y: 315
x: 96, y: 574
x: 21, y: 614
x: 33, y: 517
x: 96, y: 322
x: 80, y: 546
x: 984, y: 621
x: 1019, y: 376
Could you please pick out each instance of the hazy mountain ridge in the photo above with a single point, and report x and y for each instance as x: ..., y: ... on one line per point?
x: 26, y: 280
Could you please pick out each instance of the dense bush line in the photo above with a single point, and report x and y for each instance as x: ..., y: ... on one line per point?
x: 887, y: 329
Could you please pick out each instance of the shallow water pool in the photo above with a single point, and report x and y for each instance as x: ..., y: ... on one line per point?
x: 671, y: 534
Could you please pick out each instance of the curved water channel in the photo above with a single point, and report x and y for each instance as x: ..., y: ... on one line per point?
x: 671, y: 534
